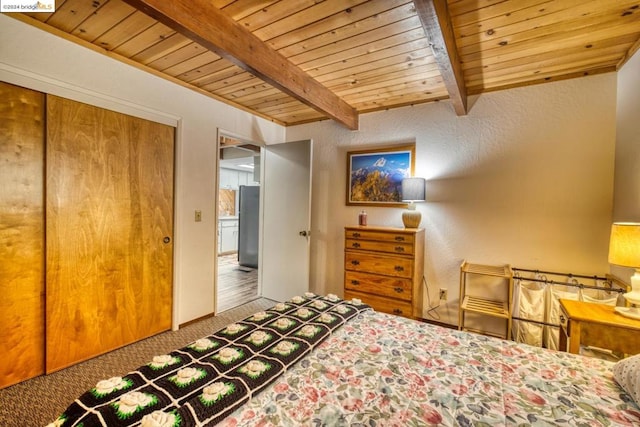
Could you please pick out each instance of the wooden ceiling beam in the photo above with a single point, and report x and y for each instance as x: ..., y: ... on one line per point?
x: 436, y: 21
x: 207, y: 25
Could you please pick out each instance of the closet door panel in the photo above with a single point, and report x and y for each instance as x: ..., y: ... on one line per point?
x: 21, y: 234
x: 109, y: 205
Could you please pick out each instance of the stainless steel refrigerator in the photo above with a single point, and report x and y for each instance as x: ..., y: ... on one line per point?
x: 248, y: 225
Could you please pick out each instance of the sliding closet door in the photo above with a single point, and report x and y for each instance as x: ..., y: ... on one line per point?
x: 21, y: 234
x: 109, y: 244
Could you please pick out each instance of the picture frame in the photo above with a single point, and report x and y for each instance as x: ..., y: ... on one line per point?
x: 374, y: 177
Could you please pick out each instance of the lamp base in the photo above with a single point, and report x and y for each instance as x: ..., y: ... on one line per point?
x: 631, y: 312
x: 632, y: 298
x: 411, y: 218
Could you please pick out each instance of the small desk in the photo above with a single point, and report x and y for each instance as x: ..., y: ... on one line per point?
x: 597, y: 325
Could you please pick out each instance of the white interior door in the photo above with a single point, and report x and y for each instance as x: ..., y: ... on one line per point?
x: 286, y: 203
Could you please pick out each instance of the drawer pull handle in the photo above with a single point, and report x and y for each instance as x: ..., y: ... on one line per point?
x: 399, y: 249
x: 399, y: 238
x: 355, y: 262
x: 399, y: 268
x: 397, y: 311
x: 398, y: 290
x: 355, y: 282
x: 355, y: 245
x: 561, y: 319
x: 356, y: 234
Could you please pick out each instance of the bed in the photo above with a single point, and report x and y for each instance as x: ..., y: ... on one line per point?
x: 318, y: 360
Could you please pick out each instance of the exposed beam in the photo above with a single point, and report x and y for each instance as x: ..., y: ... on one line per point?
x: 207, y: 25
x: 436, y: 21
x: 632, y: 50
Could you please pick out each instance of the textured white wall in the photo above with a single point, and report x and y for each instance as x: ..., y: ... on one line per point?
x: 627, y: 174
x: 525, y: 178
x: 38, y: 60
x: 627, y: 167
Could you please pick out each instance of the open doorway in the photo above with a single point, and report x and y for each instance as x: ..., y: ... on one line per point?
x: 238, y: 222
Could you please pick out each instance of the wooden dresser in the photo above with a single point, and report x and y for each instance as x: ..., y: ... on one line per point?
x: 384, y: 268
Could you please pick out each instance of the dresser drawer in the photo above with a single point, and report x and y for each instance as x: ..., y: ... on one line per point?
x: 379, y: 246
x: 380, y: 264
x: 393, y: 287
x: 397, y: 237
x: 382, y: 304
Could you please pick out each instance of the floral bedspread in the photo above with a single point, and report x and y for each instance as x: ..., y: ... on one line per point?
x: 382, y: 370
x: 202, y: 383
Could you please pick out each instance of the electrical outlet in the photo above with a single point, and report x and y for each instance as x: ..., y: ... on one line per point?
x: 443, y: 294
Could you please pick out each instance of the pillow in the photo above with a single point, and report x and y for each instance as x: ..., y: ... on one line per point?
x: 627, y: 373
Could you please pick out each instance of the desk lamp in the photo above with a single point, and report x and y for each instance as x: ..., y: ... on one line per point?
x: 413, y: 190
x: 624, y: 250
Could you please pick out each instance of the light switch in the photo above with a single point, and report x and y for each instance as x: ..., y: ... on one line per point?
x: 198, y: 216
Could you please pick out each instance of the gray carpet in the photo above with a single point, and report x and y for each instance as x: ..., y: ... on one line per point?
x: 39, y: 401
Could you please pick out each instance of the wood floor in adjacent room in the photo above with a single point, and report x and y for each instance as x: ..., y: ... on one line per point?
x: 236, y: 284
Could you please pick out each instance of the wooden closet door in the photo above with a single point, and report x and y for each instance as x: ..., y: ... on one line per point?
x: 109, y: 228
x: 21, y: 234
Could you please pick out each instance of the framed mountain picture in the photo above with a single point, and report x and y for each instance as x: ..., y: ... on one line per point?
x: 374, y: 177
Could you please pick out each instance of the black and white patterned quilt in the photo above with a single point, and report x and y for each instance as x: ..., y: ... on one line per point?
x: 200, y: 384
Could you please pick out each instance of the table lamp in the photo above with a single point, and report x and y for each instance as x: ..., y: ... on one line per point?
x: 413, y: 190
x: 624, y: 250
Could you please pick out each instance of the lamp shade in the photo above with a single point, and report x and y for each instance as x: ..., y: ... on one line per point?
x: 413, y: 190
x: 624, y: 246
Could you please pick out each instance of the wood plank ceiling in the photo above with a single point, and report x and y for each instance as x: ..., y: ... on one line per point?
x: 341, y: 58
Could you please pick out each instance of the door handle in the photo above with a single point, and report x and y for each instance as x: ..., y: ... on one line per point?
x: 305, y: 233
x: 167, y: 239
